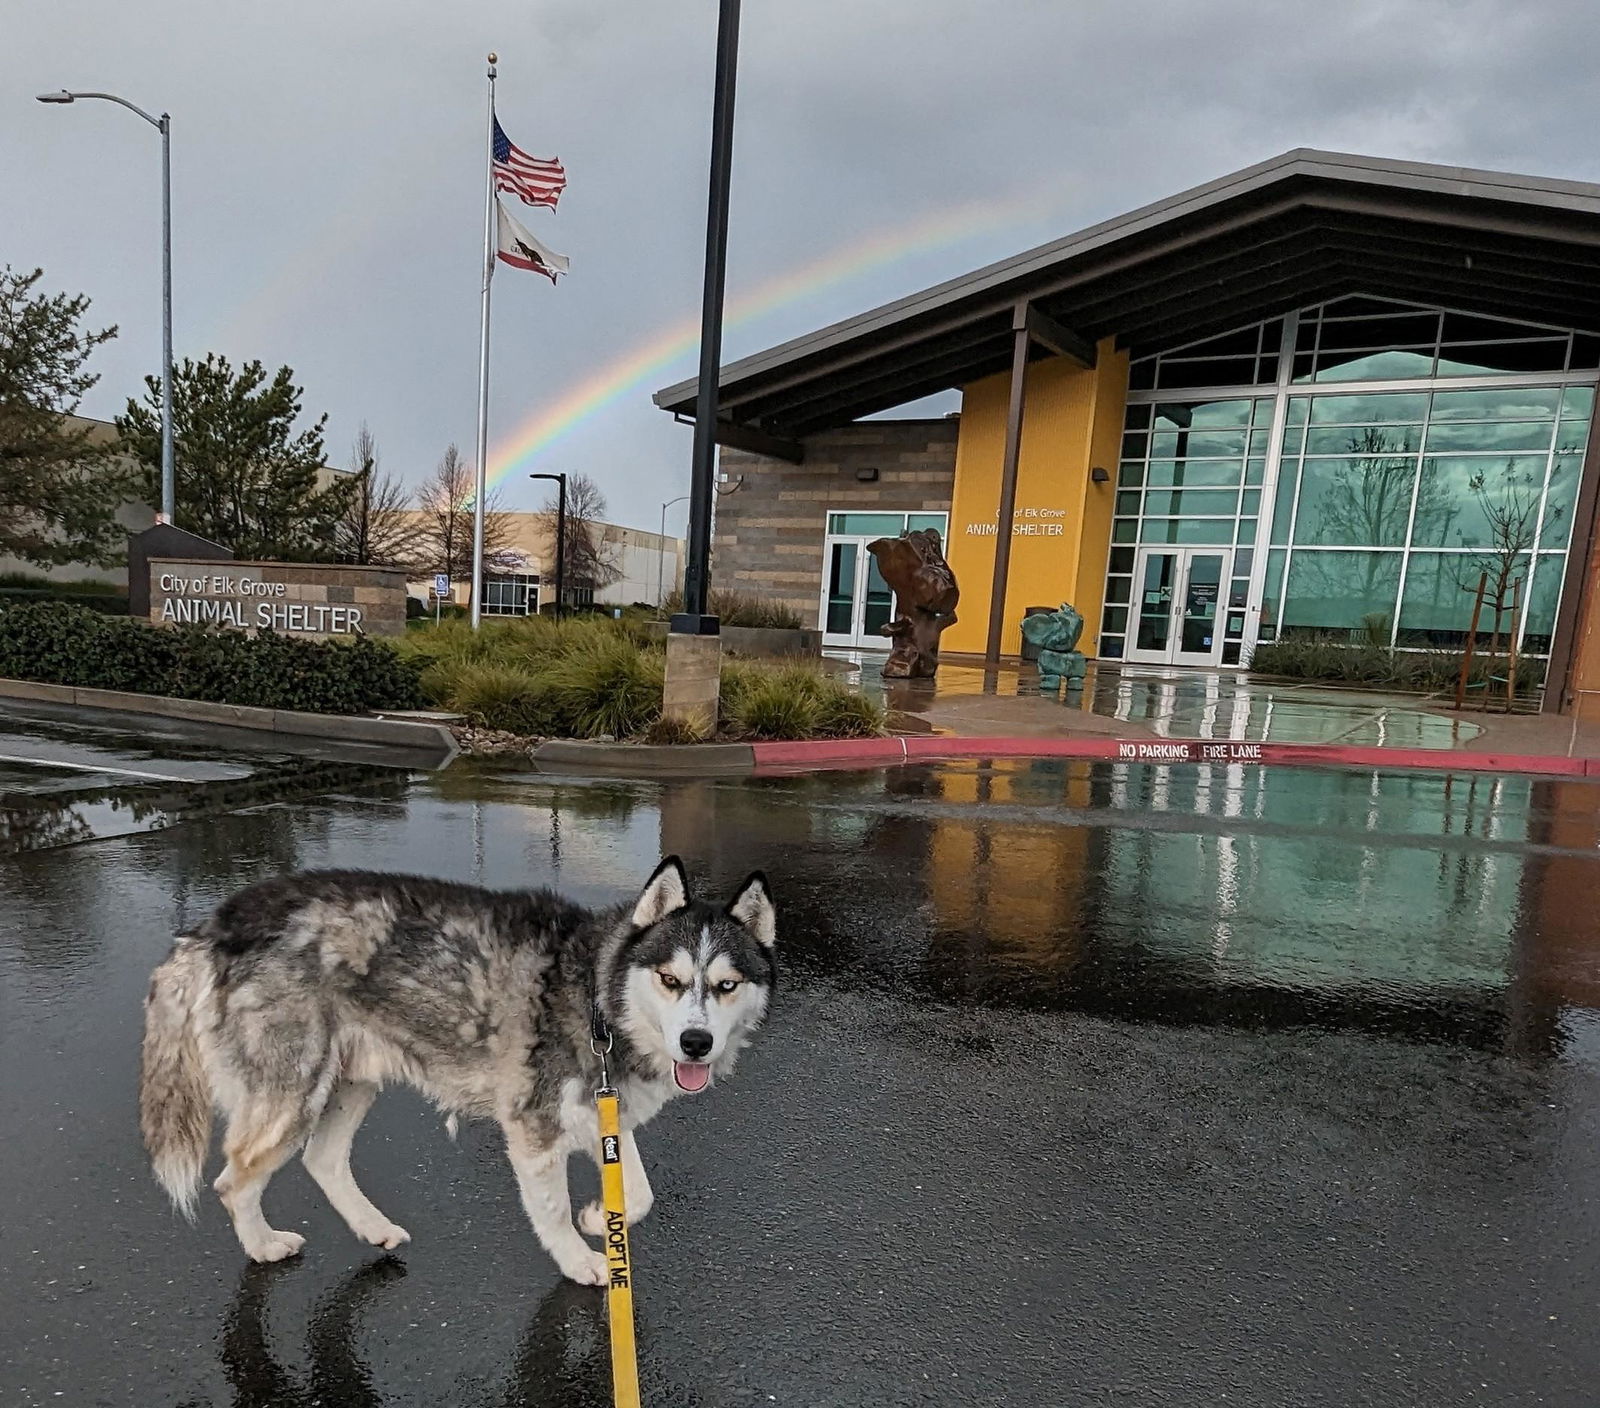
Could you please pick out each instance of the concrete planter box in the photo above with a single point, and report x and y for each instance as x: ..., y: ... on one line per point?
x: 758, y: 640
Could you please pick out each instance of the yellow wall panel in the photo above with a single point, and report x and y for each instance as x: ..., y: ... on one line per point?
x: 1072, y: 420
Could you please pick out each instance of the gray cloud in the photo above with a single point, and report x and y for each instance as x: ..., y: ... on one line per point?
x: 329, y: 192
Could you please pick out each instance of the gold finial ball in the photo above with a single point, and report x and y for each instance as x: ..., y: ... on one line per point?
x: 494, y: 58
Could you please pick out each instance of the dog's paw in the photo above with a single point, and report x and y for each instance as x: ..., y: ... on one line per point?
x: 387, y: 1235
x: 587, y: 1270
x: 277, y: 1246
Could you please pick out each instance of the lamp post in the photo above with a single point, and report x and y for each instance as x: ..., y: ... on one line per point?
x: 162, y: 124
x: 694, y: 619
x: 661, y: 550
x: 561, y: 537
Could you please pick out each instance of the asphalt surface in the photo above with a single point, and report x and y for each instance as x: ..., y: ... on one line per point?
x: 1087, y: 1084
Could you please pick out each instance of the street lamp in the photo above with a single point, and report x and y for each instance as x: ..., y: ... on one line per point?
x: 561, y: 536
x: 661, y: 550
x: 162, y: 124
x: 695, y: 618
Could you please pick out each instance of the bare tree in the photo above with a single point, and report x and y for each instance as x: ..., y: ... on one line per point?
x: 590, y: 561
x: 445, y: 537
x: 378, y: 528
x: 1509, y: 503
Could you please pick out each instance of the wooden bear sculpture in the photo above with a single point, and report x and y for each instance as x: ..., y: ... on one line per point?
x: 926, y: 593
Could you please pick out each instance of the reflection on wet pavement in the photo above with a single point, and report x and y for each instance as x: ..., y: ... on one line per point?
x: 1414, y: 904
x: 49, y: 809
x: 1179, y: 703
x: 1158, y: 1082
x: 1187, y: 704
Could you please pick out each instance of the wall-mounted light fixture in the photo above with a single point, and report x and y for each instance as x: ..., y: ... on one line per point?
x: 868, y: 475
x: 1100, y: 475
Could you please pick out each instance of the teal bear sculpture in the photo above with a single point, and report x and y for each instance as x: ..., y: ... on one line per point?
x: 1056, y: 635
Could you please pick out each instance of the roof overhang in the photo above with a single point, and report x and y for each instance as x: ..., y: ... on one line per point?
x: 1298, y: 229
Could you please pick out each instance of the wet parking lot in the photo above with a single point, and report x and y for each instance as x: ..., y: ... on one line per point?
x: 1087, y: 1083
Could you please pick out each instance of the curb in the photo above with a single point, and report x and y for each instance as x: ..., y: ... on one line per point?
x: 432, y: 739
x: 682, y: 760
x: 880, y: 752
x: 775, y: 759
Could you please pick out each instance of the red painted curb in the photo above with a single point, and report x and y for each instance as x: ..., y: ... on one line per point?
x: 878, y: 752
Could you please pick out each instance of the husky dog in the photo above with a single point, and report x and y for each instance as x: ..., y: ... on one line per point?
x: 300, y: 997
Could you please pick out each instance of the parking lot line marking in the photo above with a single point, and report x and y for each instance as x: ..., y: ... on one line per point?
x: 92, y: 767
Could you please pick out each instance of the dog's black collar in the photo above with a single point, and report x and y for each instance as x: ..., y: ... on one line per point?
x: 599, y: 1032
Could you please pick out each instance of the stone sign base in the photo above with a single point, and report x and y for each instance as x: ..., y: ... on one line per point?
x: 292, y: 598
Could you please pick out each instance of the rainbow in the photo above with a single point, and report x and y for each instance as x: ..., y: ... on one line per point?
x: 608, y: 384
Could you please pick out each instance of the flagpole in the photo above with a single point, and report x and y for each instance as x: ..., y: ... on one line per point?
x: 478, y: 503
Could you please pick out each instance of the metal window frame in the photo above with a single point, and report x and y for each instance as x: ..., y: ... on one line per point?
x: 527, y: 581
x: 1185, y: 553
x: 1284, y: 389
x: 829, y: 538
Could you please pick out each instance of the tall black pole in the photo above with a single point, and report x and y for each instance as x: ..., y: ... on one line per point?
x: 693, y: 619
x: 561, y: 545
x: 561, y: 534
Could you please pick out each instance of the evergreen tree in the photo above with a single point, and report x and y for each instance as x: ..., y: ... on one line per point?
x: 245, y: 477
x: 60, y: 488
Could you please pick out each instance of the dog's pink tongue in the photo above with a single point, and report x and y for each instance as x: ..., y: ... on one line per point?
x: 691, y: 1075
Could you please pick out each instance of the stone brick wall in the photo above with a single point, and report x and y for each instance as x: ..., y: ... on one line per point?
x: 769, y: 532
x: 293, y: 598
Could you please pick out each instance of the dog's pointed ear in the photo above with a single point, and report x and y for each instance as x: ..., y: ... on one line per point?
x: 664, y: 892
x: 752, y: 907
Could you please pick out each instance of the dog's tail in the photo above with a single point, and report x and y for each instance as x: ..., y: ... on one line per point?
x: 174, y: 1094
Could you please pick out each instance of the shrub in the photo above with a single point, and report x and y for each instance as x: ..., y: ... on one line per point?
x: 59, y: 587
x: 736, y: 609
x: 1335, y: 660
x: 608, y: 686
x: 675, y: 731
x: 846, y: 714
x: 770, y: 707
x: 795, y: 701
x: 505, y: 697
x: 590, y: 677
x: 68, y: 644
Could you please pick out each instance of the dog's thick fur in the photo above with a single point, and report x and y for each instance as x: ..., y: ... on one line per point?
x: 299, y: 998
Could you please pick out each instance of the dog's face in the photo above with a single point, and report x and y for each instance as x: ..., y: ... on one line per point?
x: 693, y: 979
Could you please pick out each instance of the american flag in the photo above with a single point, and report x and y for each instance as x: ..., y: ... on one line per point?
x: 536, y: 182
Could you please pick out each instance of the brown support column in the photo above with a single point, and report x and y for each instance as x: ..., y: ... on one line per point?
x: 1575, y: 583
x: 1008, y: 483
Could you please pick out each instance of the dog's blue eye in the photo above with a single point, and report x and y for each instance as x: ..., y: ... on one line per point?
x: 727, y: 985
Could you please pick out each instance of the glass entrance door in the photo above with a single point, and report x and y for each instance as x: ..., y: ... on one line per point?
x: 856, y: 601
x: 1177, y: 606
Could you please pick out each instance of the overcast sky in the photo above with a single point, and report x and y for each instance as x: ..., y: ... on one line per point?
x: 328, y: 171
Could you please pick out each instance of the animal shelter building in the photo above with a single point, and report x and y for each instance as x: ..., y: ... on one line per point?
x: 1327, y: 394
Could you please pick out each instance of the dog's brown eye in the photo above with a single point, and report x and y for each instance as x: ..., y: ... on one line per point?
x: 728, y: 985
x: 670, y: 983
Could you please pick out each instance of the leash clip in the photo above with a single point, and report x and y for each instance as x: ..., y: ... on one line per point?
x: 601, y: 1041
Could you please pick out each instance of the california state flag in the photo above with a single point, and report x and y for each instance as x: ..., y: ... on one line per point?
x: 520, y: 250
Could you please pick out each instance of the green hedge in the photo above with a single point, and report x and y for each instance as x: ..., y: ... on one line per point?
x: 66, y: 644
x: 107, y: 603
x: 1337, y: 660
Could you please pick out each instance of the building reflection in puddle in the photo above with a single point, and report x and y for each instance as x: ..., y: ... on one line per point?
x: 1417, y: 906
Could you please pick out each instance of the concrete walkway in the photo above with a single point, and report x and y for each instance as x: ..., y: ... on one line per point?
x: 1131, y: 702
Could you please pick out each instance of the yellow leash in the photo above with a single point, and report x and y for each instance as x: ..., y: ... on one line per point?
x: 619, y: 1288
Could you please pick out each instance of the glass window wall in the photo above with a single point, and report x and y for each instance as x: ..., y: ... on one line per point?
x: 1379, y: 508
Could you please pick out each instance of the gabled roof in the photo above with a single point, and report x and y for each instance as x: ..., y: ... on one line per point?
x: 1298, y: 229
